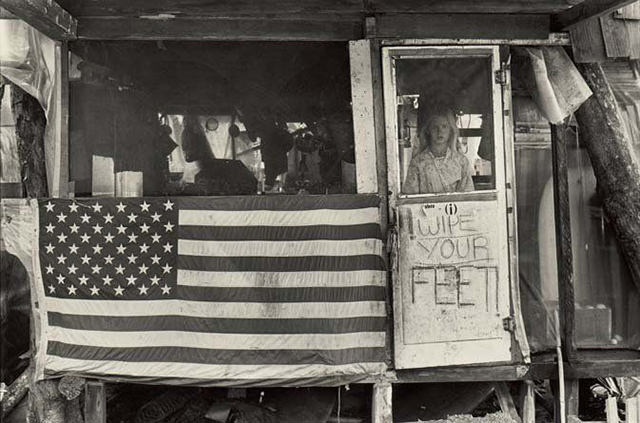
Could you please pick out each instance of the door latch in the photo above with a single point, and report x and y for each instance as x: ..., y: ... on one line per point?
x: 509, y: 324
x: 501, y: 77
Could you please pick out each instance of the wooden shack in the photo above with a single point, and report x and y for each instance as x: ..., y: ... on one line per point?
x: 522, y: 270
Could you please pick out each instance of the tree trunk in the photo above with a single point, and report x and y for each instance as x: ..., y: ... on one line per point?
x: 615, y: 165
x: 30, y: 126
x: 15, y: 392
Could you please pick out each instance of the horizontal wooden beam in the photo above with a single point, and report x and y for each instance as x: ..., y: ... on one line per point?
x: 588, y: 9
x: 44, y: 15
x: 466, y: 6
x: 467, y: 25
x: 282, y: 8
x: 554, y: 39
x: 180, y: 28
x: 488, y: 373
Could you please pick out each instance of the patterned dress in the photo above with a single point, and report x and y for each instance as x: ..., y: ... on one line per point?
x: 429, y: 174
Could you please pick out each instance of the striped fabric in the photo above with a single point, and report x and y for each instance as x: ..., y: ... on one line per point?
x: 233, y: 290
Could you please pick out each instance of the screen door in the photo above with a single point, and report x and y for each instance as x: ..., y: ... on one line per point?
x: 446, y: 173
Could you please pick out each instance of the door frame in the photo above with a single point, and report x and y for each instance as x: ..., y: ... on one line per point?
x: 504, y: 188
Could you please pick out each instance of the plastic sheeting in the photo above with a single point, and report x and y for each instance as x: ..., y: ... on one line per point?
x: 606, y: 301
x: 27, y: 58
x: 553, y: 81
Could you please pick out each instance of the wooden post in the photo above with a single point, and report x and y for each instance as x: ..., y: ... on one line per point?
x: 528, y: 402
x: 363, y: 116
x: 571, y: 396
x: 505, y: 400
x: 60, y: 174
x: 95, y: 402
x: 612, y: 410
x: 632, y: 406
x: 381, y: 405
x: 559, y: 136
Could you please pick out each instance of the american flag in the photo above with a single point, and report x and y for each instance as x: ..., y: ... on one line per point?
x: 229, y: 289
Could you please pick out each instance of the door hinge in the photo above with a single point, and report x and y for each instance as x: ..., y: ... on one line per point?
x: 501, y: 77
x: 509, y: 324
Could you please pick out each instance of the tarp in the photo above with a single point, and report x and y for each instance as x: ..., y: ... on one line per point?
x: 27, y: 58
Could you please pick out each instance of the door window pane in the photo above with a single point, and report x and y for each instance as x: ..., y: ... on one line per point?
x: 445, y: 124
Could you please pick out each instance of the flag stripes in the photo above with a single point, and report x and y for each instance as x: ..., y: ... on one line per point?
x: 217, y: 248
x: 159, y: 370
x: 231, y: 341
x: 283, y: 233
x: 282, y: 279
x: 207, y: 356
x: 214, y: 325
x: 282, y: 295
x: 218, y: 309
x: 281, y: 264
x: 235, y: 288
x: 250, y: 218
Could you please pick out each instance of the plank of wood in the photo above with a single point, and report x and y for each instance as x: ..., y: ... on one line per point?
x: 506, y: 401
x: 469, y: 25
x: 218, y: 8
x: 633, y: 29
x: 616, y: 38
x: 632, y: 406
x: 363, y: 116
x: 547, y: 370
x: 571, y: 396
x: 631, y: 11
x: 201, y: 29
x: 560, y: 138
x: 95, y: 402
x: 465, y: 6
x: 587, y: 42
x: 44, y: 15
x: 611, y: 405
x: 528, y: 402
x: 381, y: 408
x: 603, y: 368
x: 60, y: 183
x: 588, y: 9
x: 553, y: 39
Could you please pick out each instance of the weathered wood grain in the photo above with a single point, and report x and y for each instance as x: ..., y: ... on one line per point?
x: 469, y: 25
x: 587, y: 42
x: 202, y: 29
x: 616, y: 38
x: 588, y: 9
x: 44, y: 15
x: 560, y: 135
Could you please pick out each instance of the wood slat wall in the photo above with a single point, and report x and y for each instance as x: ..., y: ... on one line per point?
x: 615, y: 35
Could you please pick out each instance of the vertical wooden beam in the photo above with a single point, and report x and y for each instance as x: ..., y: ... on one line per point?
x: 363, y: 116
x: 559, y: 137
x: 60, y: 183
x: 379, y: 123
x: 381, y: 406
x: 528, y: 402
x: 572, y: 397
x: 633, y: 409
x: 505, y: 400
x: 611, y: 406
x: 95, y: 402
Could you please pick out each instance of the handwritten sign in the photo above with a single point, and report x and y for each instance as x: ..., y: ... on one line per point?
x: 449, y: 254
